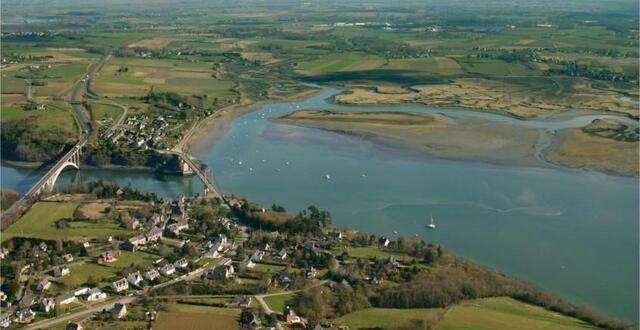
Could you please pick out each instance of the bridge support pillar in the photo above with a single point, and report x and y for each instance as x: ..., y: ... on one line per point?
x: 185, y: 169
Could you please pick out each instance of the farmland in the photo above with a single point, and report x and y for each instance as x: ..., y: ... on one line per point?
x: 196, y: 317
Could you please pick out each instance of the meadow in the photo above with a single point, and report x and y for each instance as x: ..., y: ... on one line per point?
x: 182, y: 316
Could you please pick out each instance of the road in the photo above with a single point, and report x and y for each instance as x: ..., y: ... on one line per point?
x: 120, y: 120
x: 46, y: 324
x: 81, y: 118
x: 268, y: 310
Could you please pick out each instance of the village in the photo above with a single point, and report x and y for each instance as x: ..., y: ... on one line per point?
x: 223, y: 255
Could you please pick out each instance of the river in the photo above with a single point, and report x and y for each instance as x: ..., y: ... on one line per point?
x: 571, y: 232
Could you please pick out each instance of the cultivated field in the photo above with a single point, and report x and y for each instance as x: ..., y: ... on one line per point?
x: 191, y: 317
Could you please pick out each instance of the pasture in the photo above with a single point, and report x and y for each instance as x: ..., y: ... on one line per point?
x: 192, y: 317
x: 40, y: 222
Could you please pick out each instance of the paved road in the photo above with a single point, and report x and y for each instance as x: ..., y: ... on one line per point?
x: 46, y: 324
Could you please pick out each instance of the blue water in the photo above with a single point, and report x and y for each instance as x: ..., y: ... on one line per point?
x: 571, y: 232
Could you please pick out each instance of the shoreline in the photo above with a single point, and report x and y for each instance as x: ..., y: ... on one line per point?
x: 212, y: 128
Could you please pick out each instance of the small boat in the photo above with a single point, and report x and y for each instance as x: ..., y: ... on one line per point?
x: 395, y: 232
x: 327, y: 177
x: 431, y: 225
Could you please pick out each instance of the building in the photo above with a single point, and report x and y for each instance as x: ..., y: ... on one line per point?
x: 152, y: 274
x: 247, y: 263
x: 134, y: 278
x: 120, y: 285
x: 59, y: 271
x: 43, y: 246
x: 181, y: 263
x: 47, y: 304
x: 65, y: 299
x: 240, y: 301
x: 67, y: 257
x: 221, y: 272
x: 289, y: 316
x: 135, y: 242
x: 25, y: 315
x: 257, y: 256
x: 95, y: 294
x: 154, y: 234
x: 312, y: 273
x: 43, y: 285
x: 6, y: 319
x: 73, y: 326
x: 81, y: 291
x: 119, y: 311
x: 335, y: 235
x: 384, y: 241
x: 167, y: 270
x: 282, y: 255
x: 105, y: 257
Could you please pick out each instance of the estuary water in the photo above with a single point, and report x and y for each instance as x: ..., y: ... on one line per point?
x: 570, y: 232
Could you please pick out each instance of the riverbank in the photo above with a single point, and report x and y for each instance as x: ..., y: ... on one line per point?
x: 492, y: 96
x: 212, y: 128
x: 474, y: 139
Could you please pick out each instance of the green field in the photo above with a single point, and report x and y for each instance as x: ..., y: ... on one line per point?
x: 183, y: 316
x: 504, y: 313
x: 279, y: 302
x: 56, y: 115
x: 40, y: 222
x: 387, y: 318
x: 341, y: 62
x: 100, y: 111
x: 482, y: 314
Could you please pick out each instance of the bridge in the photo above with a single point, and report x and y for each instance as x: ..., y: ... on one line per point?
x: 46, y: 183
x: 188, y: 165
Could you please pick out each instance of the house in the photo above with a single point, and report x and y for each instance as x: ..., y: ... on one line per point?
x: 107, y: 239
x: 289, y: 316
x: 249, y: 318
x: 119, y: 311
x: 376, y: 281
x: 4, y: 252
x: 25, y: 315
x: 167, y: 270
x: 65, y: 299
x: 391, y: 261
x: 266, y: 247
x: 181, y: 263
x: 312, y: 273
x: 335, y: 235
x: 133, y: 224
x: 81, y: 291
x: 134, y: 278
x: 73, y: 326
x: 105, y: 257
x: 152, y: 274
x: 134, y: 242
x: 283, y: 279
x: 221, y: 272
x: 67, y: 257
x: 247, y: 263
x: 43, y: 285
x: 384, y: 241
x: 43, y: 246
x: 85, y: 243
x: 154, y: 234
x: 3, y: 296
x: 240, y: 301
x: 212, y: 252
x: 26, y: 301
x: 282, y: 255
x: 257, y: 256
x: 120, y: 285
x: 59, y: 271
x: 6, y: 319
x: 95, y: 294
x: 47, y: 304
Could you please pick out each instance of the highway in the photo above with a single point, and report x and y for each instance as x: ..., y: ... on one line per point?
x: 84, y: 124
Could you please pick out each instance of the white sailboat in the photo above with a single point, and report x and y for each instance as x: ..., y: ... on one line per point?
x: 431, y: 225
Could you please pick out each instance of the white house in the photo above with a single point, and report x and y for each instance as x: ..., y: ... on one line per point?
x: 120, y: 285
x: 257, y: 256
x: 181, y: 263
x: 247, y: 263
x: 65, y: 299
x: 152, y: 274
x: 5, y: 319
x: 59, y: 271
x: 95, y: 294
x: 47, y: 304
x: 167, y: 270
x: 43, y: 285
x: 81, y: 291
x: 134, y: 278
x: 67, y: 257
